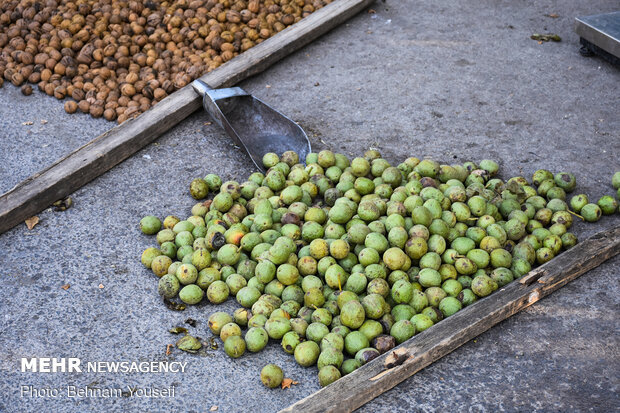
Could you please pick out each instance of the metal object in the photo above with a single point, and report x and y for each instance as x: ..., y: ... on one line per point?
x: 602, y: 31
x: 252, y: 124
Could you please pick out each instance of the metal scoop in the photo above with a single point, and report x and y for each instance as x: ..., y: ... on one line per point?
x: 252, y: 124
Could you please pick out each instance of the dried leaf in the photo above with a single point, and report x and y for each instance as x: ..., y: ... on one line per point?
x: 32, y: 221
x: 546, y: 37
x: 553, y: 15
x: 371, y: 11
x: 191, y: 322
x: 286, y: 383
x: 27, y: 123
x: 66, y: 286
x: 168, y: 349
x: 173, y: 305
x: 178, y: 330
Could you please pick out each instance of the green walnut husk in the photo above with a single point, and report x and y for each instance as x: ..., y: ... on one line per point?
x: 234, y: 346
x: 271, y: 376
x: 150, y: 225
x: 189, y: 343
x: 339, y: 260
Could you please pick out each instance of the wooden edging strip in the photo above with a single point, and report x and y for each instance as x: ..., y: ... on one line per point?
x: 385, y: 372
x: 114, y: 146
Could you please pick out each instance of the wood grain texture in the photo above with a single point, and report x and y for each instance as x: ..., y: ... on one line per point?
x: 369, y: 381
x: 109, y: 149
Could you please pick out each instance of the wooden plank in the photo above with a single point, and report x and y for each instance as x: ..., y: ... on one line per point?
x: 369, y: 381
x: 109, y: 149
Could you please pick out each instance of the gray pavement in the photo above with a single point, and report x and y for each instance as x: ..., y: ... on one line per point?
x: 450, y: 80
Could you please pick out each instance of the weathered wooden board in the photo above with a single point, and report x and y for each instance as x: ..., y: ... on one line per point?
x: 109, y: 149
x: 385, y: 372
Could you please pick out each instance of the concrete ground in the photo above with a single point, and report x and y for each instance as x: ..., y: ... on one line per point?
x: 450, y: 80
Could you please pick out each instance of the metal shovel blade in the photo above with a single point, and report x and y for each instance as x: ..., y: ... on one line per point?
x: 252, y: 124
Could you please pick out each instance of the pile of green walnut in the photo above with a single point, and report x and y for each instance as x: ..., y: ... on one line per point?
x: 343, y: 260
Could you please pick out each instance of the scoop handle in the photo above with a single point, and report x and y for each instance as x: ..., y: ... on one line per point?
x: 201, y: 87
x: 210, y: 103
x: 216, y: 94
